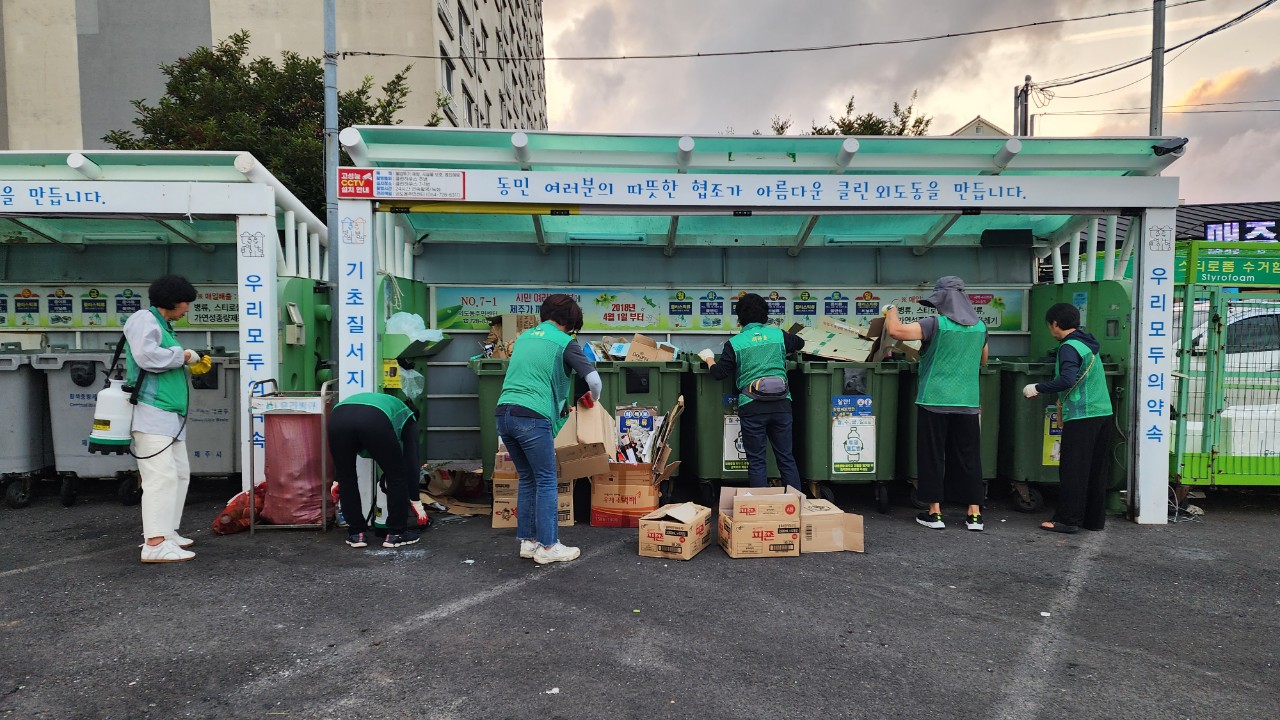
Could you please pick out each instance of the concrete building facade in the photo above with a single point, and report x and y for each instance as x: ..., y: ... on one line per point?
x: 69, y: 69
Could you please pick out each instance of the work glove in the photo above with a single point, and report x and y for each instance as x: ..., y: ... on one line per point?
x: 202, y: 366
x: 884, y: 311
x: 708, y: 357
x: 1030, y: 391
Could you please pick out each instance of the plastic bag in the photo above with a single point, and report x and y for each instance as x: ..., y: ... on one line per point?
x: 412, y: 383
x: 235, y: 517
x: 855, y: 381
x: 403, y: 323
x: 292, y: 470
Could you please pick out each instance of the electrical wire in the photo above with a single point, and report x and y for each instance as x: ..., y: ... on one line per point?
x: 1053, y: 95
x: 775, y: 51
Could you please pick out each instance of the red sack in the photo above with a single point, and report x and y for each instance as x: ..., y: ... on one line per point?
x: 235, y: 517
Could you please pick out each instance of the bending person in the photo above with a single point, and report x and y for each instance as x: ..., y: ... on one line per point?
x: 1084, y: 470
x: 384, y: 428
x: 531, y: 410
x: 949, y: 435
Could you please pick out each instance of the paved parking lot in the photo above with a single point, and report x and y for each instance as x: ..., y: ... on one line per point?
x: 1177, y: 621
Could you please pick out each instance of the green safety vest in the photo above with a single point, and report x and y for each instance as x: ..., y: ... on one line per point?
x: 394, y: 408
x: 1089, y: 398
x: 536, y: 377
x: 760, y: 351
x: 164, y: 390
x: 950, y: 365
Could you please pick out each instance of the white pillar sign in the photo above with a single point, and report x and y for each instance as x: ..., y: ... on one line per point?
x: 259, y: 336
x: 1153, y: 363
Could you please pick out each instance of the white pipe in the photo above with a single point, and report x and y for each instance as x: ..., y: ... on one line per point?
x: 401, y: 267
x: 304, y: 251
x: 685, y: 155
x: 324, y: 263
x: 1057, y: 266
x: 1091, y: 254
x: 249, y: 166
x: 520, y: 146
x: 1130, y: 237
x: 407, y: 249
x: 282, y: 268
x: 1007, y: 153
x: 84, y: 166
x: 290, y: 244
x: 313, y: 248
x: 1073, y: 258
x: 384, y: 243
x: 1109, y: 253
x: 353, y: 143
x: 848, y: 149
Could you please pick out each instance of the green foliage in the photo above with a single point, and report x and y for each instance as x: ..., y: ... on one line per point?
x: 902, y: 121
x: 217, y: 99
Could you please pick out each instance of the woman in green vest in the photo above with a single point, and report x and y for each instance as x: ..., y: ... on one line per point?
x: 154, y: 365
x: 948, y: 432
x: 531, y: 410
x: 1084, y: 467
x: 384, y: 428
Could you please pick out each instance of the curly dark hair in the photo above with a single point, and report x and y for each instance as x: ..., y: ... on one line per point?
x: 752, y: 309
x: 562, y: 309
x: 1065, y: 314
x: 168, y: 291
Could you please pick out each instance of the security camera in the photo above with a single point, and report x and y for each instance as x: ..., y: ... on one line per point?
x: 1174, y: 145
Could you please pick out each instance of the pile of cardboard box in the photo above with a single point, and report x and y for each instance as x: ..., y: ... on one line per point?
x: 834, y: 340
x: 778, y: 522
x: 506, y: 483
x: 627, y: 491
x: 503, y: 331
x: 640, y: 348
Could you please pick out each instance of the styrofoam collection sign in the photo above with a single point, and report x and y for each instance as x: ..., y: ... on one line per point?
x: 664, y: 310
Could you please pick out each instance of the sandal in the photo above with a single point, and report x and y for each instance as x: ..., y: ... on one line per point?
x: 1059, y: 527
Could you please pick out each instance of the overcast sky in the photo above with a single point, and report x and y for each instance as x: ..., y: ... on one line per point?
x: 1232, y: 157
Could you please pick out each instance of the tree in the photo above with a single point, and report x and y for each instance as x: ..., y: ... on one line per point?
x: 902, y: 121
x: 215, y: 100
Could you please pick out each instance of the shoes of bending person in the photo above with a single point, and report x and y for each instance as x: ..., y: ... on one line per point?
x: 556, y: 553
x: 166, y: 552
x: 400, y: 539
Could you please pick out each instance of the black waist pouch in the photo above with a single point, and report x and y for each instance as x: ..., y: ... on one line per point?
x: 767, y: 388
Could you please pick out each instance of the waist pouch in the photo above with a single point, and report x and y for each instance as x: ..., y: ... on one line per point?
x: 767, y: 388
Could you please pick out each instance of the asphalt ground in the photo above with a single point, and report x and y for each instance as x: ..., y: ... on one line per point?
x: 1179, y: 621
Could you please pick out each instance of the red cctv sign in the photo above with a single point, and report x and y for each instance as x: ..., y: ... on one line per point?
x: 355, y: 184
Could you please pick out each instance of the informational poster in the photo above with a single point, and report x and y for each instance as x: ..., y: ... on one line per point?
x: 735, y: 453
x: 107, y: 307
x: 1051, y: 449
x: 650, y: 310
x: 853, y: 434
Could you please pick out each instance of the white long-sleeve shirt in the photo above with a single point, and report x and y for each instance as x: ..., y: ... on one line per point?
x: 143, y: 332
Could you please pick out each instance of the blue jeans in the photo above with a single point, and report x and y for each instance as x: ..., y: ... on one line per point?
x: 532, y: 449
x: 776, y: 427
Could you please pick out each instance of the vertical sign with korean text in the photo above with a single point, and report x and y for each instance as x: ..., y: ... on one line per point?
x: 357, y: 272
x: 1153, y: 364
x: 256, y: 243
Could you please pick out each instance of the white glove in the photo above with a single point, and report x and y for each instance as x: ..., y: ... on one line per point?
x: 1030, y: 391
x: 884, y: 311
x: 190, y: 357
x: 707, y: 355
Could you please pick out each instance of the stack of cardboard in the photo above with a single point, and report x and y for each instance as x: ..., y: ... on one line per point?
x: 506, y: 483
x: 827, y: 528
x: 676, y: 532
x: 834, y: 340
x: 503, y: 331
x: 640, y: 348
x: 625, y: 492
x: 760, y: 522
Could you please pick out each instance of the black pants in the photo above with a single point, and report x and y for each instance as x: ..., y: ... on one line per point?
x: 353, y: 428
x: 949, y: 458
x: 1084, y: 473
x: 776, y: 428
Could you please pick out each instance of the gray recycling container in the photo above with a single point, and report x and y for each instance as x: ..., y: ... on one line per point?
x: 25, y: 443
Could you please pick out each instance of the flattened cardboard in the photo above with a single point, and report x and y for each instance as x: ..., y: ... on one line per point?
x: 646, y: 349
x: 835, y: 340
x: 677, y: 532
x: 827, y: 528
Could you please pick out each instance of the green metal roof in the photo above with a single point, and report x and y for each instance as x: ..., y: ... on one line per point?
x: 450, y: 148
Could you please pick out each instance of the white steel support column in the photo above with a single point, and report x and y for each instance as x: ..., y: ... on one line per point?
x: 304, y: 251
x: 1057, y: 266
x: 1090, y: 258
x: 1109, y: 252
x: 290, y: 245
x: 1152, y: 364
x: 1073, y: 257
x: 259, y: 317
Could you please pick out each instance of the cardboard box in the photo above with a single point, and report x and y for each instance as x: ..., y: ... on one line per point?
x: 622, y: 496
x: 504, y: 511
x: 508, y: 485
x: 677, y: 532
x: 759, y: 522
x: 827, y: 528
x: 586, y: 443
x: 835, y: 340
x: 646, y: 349
x: 508, y: 326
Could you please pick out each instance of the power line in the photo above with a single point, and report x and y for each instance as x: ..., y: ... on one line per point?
x: 1185, y: 105
x: 1050, y: 95
x: 1091, y: 75
x: 776, y: 51
x: 1144, y: 112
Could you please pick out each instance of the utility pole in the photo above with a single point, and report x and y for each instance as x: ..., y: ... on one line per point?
x: 1022, y: 108
x: 331, y: 134
x: 1157, y: 69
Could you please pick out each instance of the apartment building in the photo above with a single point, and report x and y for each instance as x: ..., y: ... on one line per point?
x: 69, y: 68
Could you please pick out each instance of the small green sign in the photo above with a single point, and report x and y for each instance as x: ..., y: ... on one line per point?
x: 1233, y: 264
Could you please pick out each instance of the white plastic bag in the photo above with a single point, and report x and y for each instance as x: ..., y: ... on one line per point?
x: 403, y: 323
x: 412, y: 383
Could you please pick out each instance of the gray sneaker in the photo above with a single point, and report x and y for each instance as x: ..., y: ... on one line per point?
x: 556, y: 553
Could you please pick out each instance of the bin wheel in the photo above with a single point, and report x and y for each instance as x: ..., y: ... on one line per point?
x: 882, y: 497
x: 1027, y: 499
x: 667, y: 490
x: 915, y: 499
x: 130, y: 490
x: 18, y: 494
x: 709, y: 493
x: 68, y: 492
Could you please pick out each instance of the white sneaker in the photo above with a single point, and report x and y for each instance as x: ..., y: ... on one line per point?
x: 178, y: 540
x: 165, y: 552
x: 528, y: 548
x: 555, y: 553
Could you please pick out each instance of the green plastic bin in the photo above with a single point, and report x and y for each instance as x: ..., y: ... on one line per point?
x: 989, y: 399
x: 713, y: 436
x: 837, y: 423
x: 489, y: 376
x: 1025, y: 434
